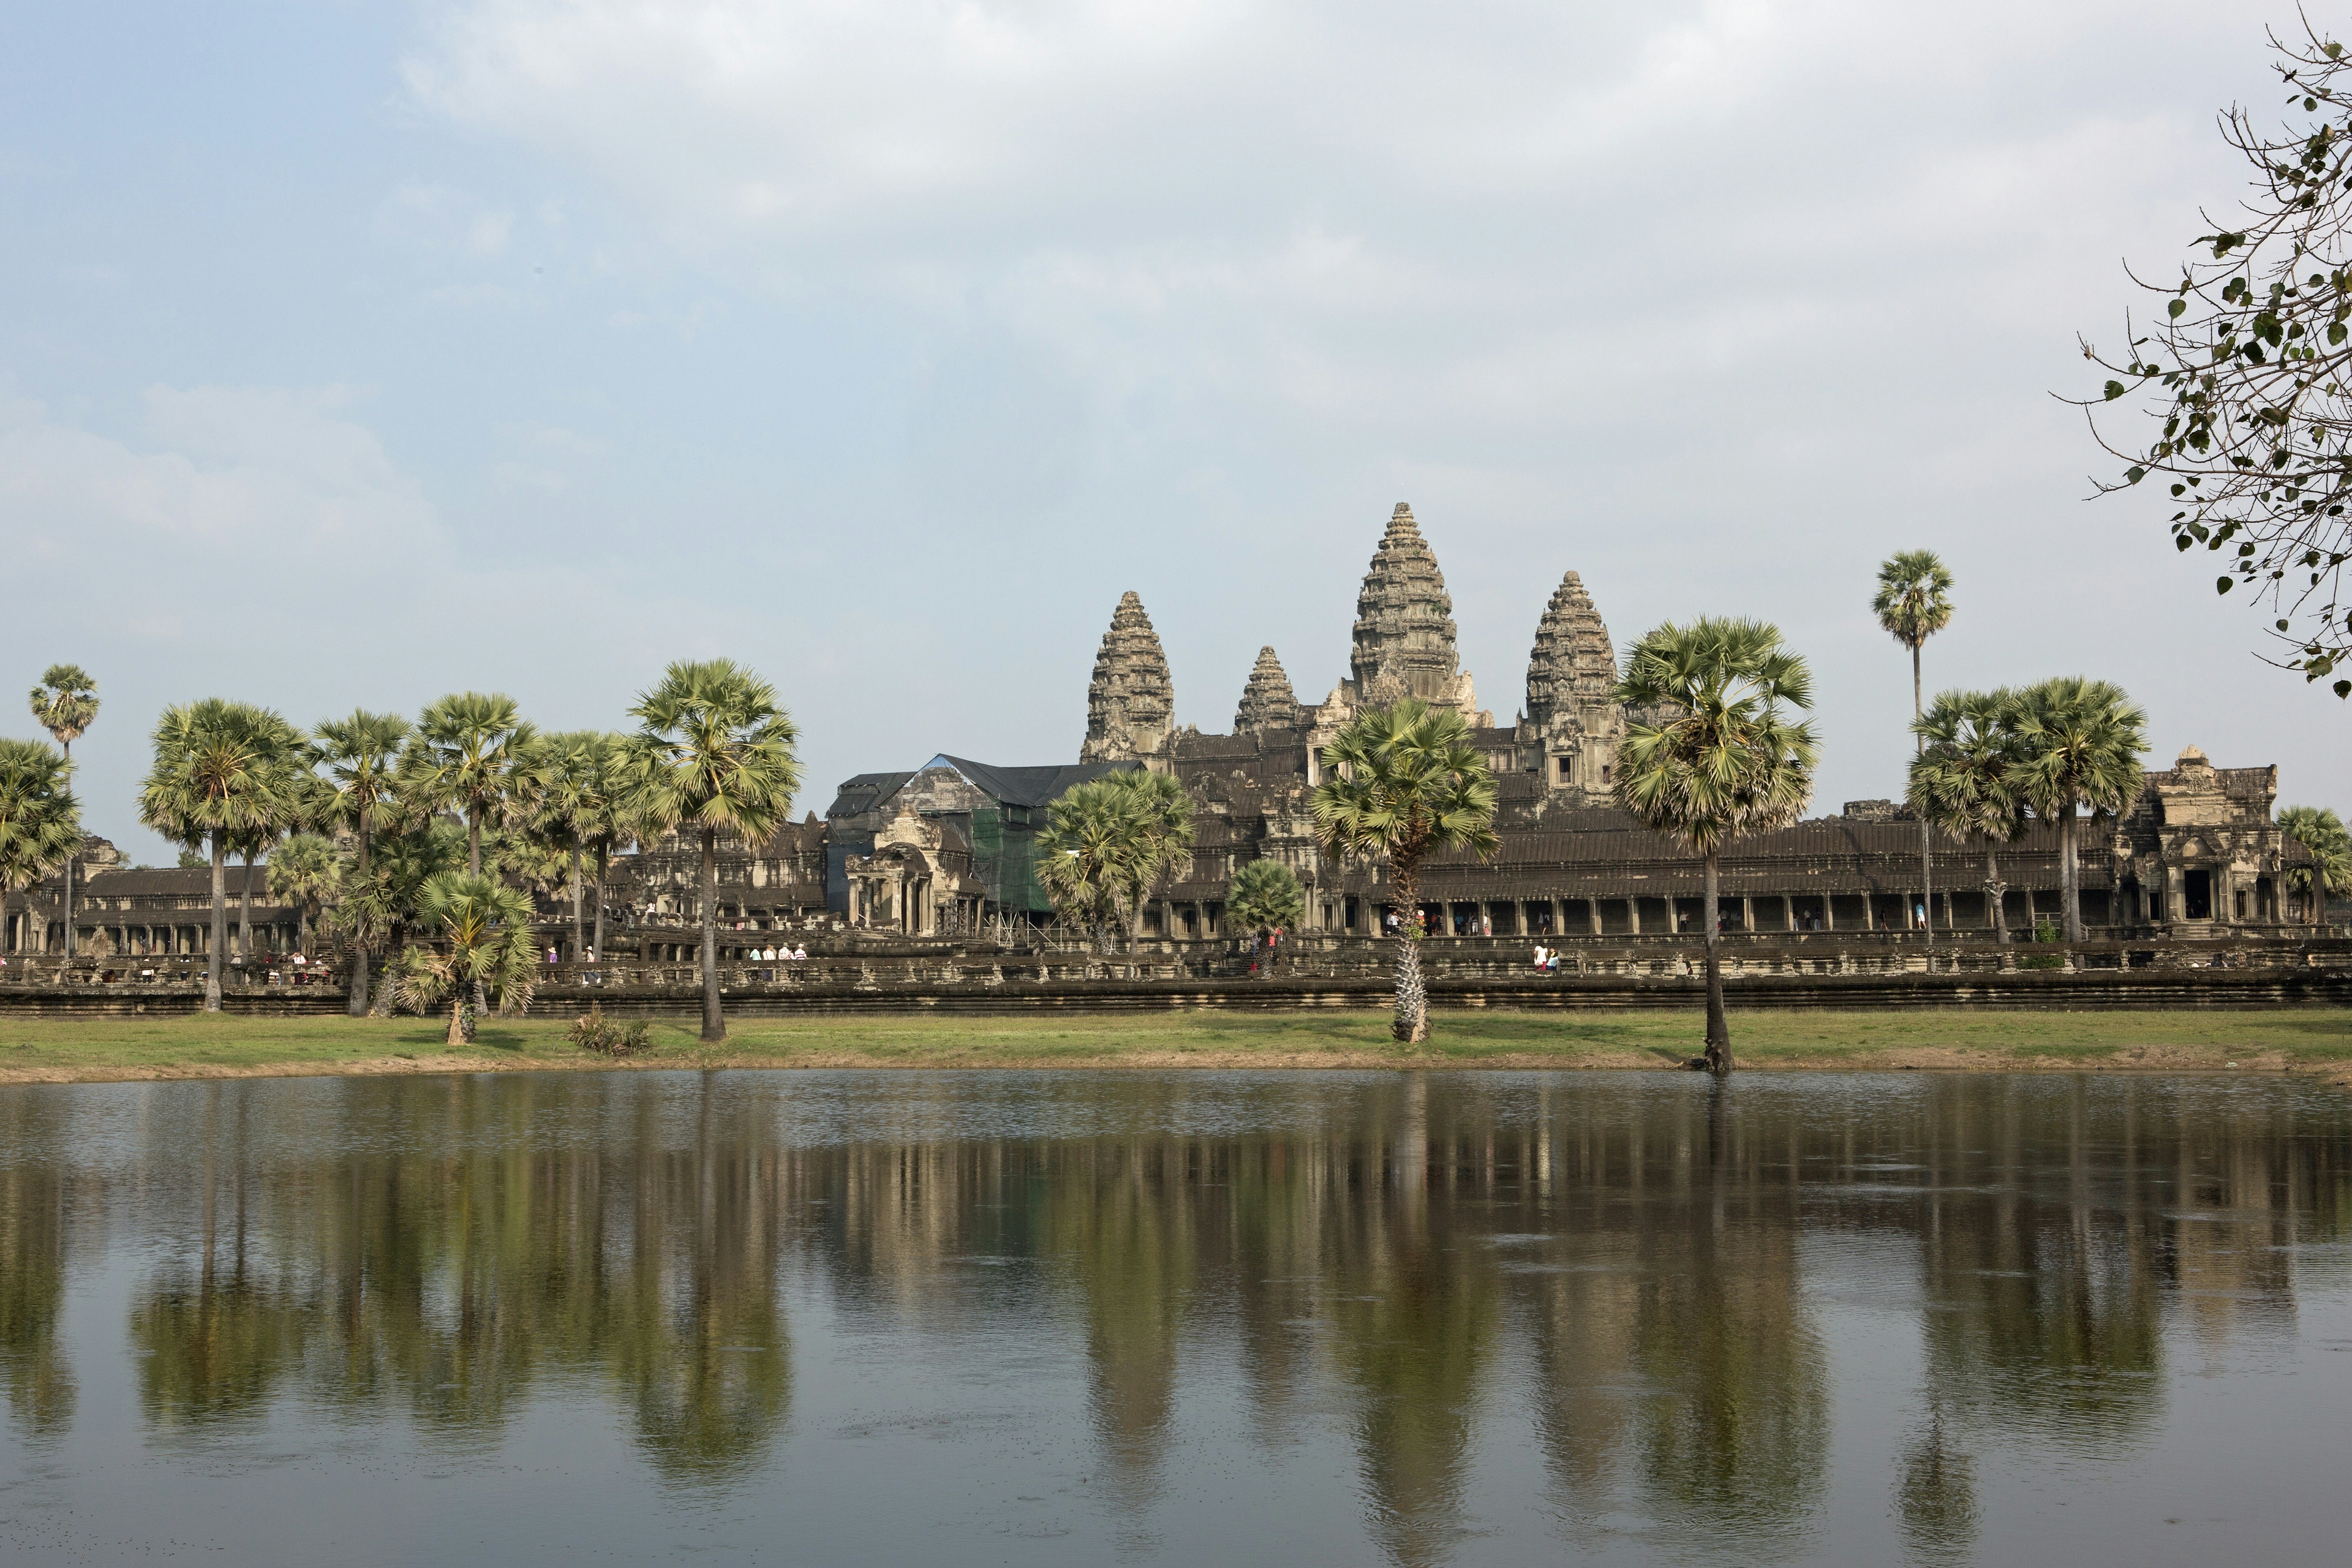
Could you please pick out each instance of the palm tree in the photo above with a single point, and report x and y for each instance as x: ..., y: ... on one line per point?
x: 1725, y: 758
x: 306, y: 873
x: 1265, y: 898
x: 1913, y: 603
x: 487, y: 929
x: 575, y: 785
x: 2079, y: 744
x: 1092, y: 833
x: 40, y: 821
x: 1401, y: 782
x: 1162, y: 816
x: 715, y: 755
x: 470, y: 754
x: 299, y: 802
x: 360, y: 754
x: 376, y: 912
x: 2321, y: 832
x: 604, y: 818
x: 66, y: 704
x: 1965, y: 779
x: 218, y: 765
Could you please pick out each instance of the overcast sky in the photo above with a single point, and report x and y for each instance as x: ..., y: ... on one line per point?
x: 352, y: 353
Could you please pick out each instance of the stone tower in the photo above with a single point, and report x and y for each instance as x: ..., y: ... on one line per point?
x: 1268, y: 701
x: 1570, y: 674
x: 1130, y: 701
x: 1404, y: 627
x: 1574, y: 663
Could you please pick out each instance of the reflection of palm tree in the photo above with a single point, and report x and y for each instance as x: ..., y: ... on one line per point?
x: 1936, y: 1497
x: 1132, y: 1253
x: 36, y: 1379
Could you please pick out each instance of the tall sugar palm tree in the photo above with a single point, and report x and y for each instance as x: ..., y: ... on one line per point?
x: 577, y: 780
x: 377, y: 914
x: 2321, y: 832
x: 471, y: 753
x: 1162, y: 814
x: 1092, y: 833
x: 1913, y: 604
x: 604, y: 819
x: 484, y: 932
x: 1726, y: 757
x: 1964, y: 780
x: 217, y: 769
x: 66, y: 704
x: 2079, y: 744
x: 40, y: 822
x: 305, y: 872
x: 715, y: 755
x: 1401, y: 782
x: 360, y: 754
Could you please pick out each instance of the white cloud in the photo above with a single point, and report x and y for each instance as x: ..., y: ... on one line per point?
x: 240, y: 468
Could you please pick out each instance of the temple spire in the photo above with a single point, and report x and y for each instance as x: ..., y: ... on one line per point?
x: 1268, y: 701
x: 1404, y: 631
x: 1573, y: 662
x: 1130, y: 701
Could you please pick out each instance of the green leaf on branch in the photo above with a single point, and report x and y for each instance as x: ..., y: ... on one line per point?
x: 2223, y: 584
x: 2115, y: 390
x: 2175, y: 308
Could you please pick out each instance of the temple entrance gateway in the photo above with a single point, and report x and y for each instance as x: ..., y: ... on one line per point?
x: 2196, y: 895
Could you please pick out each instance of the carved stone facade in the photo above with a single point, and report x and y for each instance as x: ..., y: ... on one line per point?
x: 1131, y: 702
x: 918, y: 878
x: 2199, y: 851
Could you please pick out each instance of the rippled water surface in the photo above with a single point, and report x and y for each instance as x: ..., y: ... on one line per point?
x: 1075, y: 1318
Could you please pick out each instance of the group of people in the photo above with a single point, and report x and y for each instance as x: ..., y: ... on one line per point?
x: 1546, y: 960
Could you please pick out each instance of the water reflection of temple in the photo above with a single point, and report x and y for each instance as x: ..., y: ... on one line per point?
x: 1627, y: 1259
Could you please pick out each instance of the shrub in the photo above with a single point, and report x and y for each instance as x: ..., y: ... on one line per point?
x: 2044, y: 934
x: 592, y: 1031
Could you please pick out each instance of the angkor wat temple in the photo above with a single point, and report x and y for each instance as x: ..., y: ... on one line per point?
x: 2195, y: 853
x: 947, y: 848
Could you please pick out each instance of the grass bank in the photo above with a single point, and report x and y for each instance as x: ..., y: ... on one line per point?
x: 90, y: 1049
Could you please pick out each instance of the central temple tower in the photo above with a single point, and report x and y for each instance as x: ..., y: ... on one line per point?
x: 1404, y: 627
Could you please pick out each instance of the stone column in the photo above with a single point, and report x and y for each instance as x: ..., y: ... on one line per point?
x: 1592, y: 915
x: 1747, y: 912
x: 1633, y: 916
x: 1828, y: 911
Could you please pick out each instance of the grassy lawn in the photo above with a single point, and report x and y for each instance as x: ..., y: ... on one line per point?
x: 55, y: 1049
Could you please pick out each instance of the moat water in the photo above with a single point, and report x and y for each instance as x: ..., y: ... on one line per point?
x: 1077, y: 1317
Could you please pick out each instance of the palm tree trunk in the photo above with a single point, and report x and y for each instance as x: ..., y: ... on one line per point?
x: 220, y: 925
x: 714, y: 1022
x: 2068, y: 877
x: 356, y: 1002
x: 1411, y: 1025
x: 603, y: 853
x: 1926, y: 837
x: 457, y: 1020
x: 577, y: 935
x: 474, y: 842
x: 245, y: 911
x: 1994, y: 892
x: 1718, y: 1028
x: 67, y: 746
